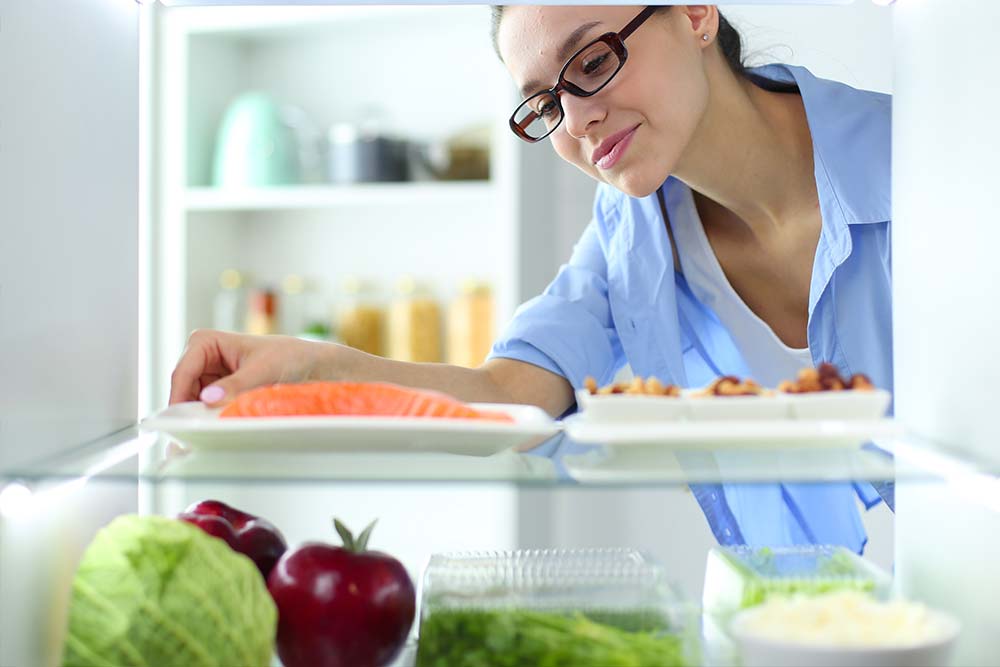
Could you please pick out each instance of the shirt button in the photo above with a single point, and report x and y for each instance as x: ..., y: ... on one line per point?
x: 715, y: 497
x: 727, y: 532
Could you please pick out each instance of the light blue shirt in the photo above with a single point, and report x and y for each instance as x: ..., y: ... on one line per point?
x: 619, y: 300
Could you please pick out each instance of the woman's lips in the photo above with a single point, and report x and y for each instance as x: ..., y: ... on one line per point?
x: 619, y: 143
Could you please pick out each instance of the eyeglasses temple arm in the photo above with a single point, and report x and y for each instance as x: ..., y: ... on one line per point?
x: 637, y: 21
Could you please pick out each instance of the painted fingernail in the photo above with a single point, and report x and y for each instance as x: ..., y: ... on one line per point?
x: 212, y: 394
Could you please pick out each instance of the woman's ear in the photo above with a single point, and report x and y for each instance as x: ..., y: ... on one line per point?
x: 703, y: 19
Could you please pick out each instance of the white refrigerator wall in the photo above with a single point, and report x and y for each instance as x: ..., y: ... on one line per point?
x: 947, y: 304
x: 69, y: 115
x: 68, y: 215
x: 852, y: 44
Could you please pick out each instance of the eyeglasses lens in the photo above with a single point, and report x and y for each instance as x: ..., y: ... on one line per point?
x: 590, y: 70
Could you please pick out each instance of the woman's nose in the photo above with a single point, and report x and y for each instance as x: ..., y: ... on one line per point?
x: 582, y: 113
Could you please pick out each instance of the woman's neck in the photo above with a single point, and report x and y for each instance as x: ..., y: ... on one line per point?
x: 752, y: 154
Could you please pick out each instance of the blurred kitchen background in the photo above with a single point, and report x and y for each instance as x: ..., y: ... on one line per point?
x: 346, y: 174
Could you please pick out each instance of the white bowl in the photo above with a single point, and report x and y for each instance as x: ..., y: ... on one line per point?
x: 766, y: 652
x: 629, y: 407
x: 848, y: 404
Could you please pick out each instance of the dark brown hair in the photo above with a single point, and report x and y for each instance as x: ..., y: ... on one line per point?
x: 729, y: 41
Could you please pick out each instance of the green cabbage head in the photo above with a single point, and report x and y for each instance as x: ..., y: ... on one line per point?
x: 158, y: 592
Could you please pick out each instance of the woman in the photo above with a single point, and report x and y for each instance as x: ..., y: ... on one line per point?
x: 741, y: 226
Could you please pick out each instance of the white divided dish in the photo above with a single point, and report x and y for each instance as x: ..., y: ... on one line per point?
x: 644, y: 408
x: 630, y: 407
x: 839, y: 404
x: 818, y: 406
x: 735, y: 408
x: 199, y: 427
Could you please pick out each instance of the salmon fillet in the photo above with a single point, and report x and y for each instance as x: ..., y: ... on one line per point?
x: 358, y: 399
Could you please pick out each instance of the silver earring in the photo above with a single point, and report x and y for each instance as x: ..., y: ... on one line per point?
x: 704, y: 38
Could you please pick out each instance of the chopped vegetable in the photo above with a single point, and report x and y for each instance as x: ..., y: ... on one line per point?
x: 741, y: 577
x: 833, y: 572
x: 517, y: 638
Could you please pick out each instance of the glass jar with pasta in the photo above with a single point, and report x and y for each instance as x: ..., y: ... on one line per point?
x: 361, y: 317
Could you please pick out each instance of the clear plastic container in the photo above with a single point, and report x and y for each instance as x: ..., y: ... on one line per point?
x: 572, y: 608
x: 740, y: 577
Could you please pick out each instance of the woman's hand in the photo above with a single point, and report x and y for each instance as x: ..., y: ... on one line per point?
x: 217, y: 365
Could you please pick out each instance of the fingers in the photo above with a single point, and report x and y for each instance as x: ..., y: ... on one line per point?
x: 208, y: 354
x: 253, y: 372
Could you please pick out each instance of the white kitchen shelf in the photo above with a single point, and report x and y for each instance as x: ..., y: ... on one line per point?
x: 302, y: 197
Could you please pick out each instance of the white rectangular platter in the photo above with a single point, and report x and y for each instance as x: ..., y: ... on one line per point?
x: 198, y: 427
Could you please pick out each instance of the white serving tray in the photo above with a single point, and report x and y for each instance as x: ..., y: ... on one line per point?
x: 199, y: 427
x: 732, y: 434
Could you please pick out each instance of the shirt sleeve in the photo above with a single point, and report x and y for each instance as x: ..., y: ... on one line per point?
x: 568, y: 329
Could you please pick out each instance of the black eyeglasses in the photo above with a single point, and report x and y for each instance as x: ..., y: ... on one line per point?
x: 588, y: 71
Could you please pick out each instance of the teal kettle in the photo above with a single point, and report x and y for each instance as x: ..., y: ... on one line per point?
x: 255, y: 146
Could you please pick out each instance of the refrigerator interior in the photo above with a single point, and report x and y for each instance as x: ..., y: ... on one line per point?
x: 74, y: 300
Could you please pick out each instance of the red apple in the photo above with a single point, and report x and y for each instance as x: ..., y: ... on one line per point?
x: 251, y: 536
x: 341, y: 606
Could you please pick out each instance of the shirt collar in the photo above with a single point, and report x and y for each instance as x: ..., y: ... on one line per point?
x: 851, y: 134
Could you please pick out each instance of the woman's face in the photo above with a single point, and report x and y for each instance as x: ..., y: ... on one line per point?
x: 651, y: 109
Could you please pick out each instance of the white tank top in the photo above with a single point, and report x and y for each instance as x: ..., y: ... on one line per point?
x: 770, y: 361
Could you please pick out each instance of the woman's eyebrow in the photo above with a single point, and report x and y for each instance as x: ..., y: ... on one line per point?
x: 564, y: 52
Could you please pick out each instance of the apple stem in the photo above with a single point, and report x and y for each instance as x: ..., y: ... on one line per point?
x: 350, y: 543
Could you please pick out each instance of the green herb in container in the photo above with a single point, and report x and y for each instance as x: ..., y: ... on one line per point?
x: 576, y: 608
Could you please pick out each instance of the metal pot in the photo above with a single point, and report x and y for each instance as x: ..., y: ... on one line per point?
x: 360, y: 157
